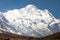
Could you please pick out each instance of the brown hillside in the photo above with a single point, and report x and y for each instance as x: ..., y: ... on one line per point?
x: 10, y: 36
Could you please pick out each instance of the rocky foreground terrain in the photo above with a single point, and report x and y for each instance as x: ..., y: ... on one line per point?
x: 10, y: 36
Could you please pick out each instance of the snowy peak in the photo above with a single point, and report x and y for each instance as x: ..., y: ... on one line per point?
x: 31, y: 6
x: 30, y: 21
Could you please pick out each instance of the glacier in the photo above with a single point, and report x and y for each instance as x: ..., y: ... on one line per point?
x: 29, y: 21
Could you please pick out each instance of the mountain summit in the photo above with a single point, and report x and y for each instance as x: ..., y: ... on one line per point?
x: 29, y: 21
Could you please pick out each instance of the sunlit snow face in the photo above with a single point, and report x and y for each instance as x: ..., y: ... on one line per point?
x: 29, y: 21
x: 28, y: 13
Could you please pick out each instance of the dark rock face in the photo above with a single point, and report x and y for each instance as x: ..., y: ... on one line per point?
x: 54, y: 28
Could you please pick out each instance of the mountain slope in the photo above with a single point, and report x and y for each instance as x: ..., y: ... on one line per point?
x: 29, y: 21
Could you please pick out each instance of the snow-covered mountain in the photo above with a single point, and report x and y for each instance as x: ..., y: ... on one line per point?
x: 29, y: 21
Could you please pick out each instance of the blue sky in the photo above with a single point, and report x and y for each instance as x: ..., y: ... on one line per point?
x: 52, y: 5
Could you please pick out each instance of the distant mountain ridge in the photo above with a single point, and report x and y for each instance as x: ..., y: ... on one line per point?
x: 29, y: 21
